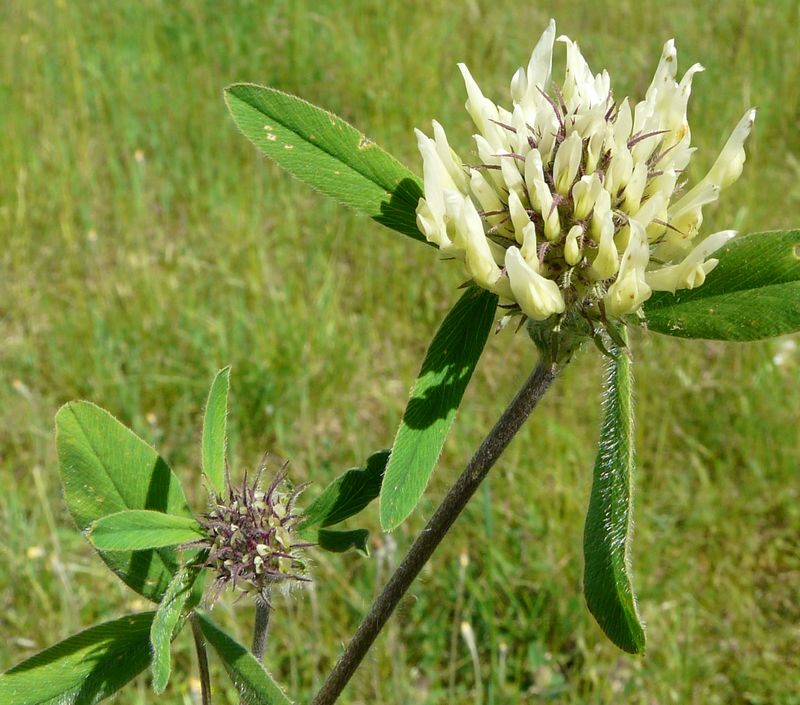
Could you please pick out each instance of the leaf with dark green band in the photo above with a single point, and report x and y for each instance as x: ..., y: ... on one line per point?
x: 341, y: 541
x: 445, y: 373
x: 106, y: 468
x: 753, y: 293
x: 214, y: 431
x: 138, y: 529
x: 343, y: 498
x: 83, y: 669
x: 255, y: 685
x: 328, y: 154
x: 607, y: 535
x: 347, y: 495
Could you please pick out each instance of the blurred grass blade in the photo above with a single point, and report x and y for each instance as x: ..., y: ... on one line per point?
x: 83, y: 669
x: 753, y: 293
x: 214, y: 431
x: 166, y: 622
x: 607, y: 534
x: 328, y: 154
x: 251, y: 679
x: 138, y: 529
x: 347, y: 495
x: 445, y: 373
x: 106, y: 468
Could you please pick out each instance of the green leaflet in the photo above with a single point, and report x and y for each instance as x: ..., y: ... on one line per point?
x: 753, y: 293
x: 607, y: 534
x: 445, y: 373
x: 214, y: 431
x: 341, y: 541
x: 105, y: 469
x: 166, y: 622
x: 328, y: 154
x: 138, y: 529
x: 83, y: 669
x: 343, y: 498
x: 347, y: 495
x: 255, y: 685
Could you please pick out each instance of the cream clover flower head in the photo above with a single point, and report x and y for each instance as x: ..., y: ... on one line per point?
x: 575, y: 203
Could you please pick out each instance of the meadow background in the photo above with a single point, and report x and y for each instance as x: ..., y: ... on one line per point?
x: 144, y: 244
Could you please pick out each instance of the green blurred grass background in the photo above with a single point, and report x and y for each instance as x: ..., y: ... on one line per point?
x: 144, y: 244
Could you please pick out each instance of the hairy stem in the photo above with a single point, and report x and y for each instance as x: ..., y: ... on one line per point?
x: 261, y: 626
x: 423, y: 547
x: 202, y: 660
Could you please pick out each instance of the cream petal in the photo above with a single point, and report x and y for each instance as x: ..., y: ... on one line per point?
x: 584, y: 195
x: 691, y: 272
x: 567, y: 161
x: 541, y: 61
x: 538, y: 297
x: 449, y: 158
x: 572, y: 248
x: 479, y: 260
x: 519, y: 216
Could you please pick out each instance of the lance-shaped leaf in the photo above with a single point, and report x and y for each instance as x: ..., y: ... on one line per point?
x: 607, y: 534
x: 341, y: 541
x: 343, y: 498
x: 347, y: 495
x: 445, y: 373
x: 83, y: 669
x: 106, y: 468
x: 167, y: 621
x: 753, y: 293
x: 214, y: 431
x: 255, y: 685
x: 138, y: 529
x: 328, y: 154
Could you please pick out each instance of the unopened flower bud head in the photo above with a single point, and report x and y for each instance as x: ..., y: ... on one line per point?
x: 574, y: 204
x: 250, y: 538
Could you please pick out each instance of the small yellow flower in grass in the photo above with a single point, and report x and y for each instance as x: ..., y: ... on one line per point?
x: 575, y: 203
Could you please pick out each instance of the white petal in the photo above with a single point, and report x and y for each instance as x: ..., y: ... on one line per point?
x: 728, y: 166
x: 584, y: 194
x: 449, y: 158
x: 541, y: 61
x: 534, y: 173
x: 539, y: 298
x: 511, y: 175
x: 606, y: 261
x: 692, y: 271
x: 665, y: 72
x: 519, y: 217
x: 623, y: 123
x: 479, y: 260
x: 572, y: 248
x: 567, y: 161
x: 483, y: 192
x: 477, y: 105
x: 619, y: 170
x: 630, y: 289
x: 530, y: 251
x: 635, y: 188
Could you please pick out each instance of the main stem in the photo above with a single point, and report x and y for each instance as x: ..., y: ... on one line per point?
x: 421, y: 550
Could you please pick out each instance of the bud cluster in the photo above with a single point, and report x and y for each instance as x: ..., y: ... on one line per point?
x: 574, y: 202
x: 250, y: 537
